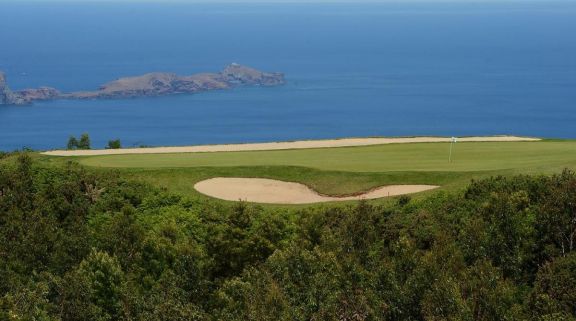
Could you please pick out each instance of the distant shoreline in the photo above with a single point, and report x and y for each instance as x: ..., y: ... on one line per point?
x: 303, y: 144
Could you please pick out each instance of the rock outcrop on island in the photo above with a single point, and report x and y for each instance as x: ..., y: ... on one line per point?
x: 7, y: 97
x: 152, y: 84
x: 42, y: 93
x: 26, y: 96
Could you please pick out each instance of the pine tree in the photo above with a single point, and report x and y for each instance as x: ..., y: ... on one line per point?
x: 84, y: 142
x: 72, y: 143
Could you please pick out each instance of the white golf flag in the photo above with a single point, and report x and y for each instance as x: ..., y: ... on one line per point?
x: 452, y: 141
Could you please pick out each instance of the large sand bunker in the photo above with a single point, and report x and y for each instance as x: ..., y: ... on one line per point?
x: 305, y: 144
x: 261, y: 190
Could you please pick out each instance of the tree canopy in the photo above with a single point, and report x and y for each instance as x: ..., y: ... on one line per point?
x: 77, y: 244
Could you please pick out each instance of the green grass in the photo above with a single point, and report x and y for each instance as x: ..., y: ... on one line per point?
x: 380, y: 158
x: 347, y: 170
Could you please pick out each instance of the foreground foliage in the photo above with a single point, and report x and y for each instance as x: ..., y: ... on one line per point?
x: 81, y: 245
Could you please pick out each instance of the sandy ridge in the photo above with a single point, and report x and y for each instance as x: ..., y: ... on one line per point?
x: 344, y: 142
x: 262, y: 190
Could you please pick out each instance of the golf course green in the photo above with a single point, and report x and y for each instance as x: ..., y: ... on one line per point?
x: 480, y: 156
x: 345, y: 170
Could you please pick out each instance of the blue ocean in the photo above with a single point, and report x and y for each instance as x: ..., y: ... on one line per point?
x: 388, y: 69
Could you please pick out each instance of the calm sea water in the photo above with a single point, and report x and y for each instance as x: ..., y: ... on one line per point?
x: 352, y: 70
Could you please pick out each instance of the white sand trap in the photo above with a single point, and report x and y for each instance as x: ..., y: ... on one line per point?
x: 262, y: 190
x: 304, y: 144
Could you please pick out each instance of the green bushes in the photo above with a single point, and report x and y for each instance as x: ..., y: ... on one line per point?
x: 72, y: 143
x: 114, y: 144
x: 553, y: 294
x: 83, y: 143
x: 77, y: 245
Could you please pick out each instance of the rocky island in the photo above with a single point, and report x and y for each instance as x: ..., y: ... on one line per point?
x: 149, y: 85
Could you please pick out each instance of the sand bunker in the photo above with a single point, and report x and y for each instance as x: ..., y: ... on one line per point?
x: 261, y: 190
x: 345, y: 142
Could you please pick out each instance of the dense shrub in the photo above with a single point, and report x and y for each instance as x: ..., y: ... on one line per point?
x: 114, y: 144
x: 82, y: 143
x: 77, y: 245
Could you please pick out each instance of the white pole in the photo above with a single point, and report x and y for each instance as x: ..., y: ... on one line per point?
x: 452, y: 141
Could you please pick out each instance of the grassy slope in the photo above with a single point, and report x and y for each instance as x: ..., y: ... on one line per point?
x: 340, y: 171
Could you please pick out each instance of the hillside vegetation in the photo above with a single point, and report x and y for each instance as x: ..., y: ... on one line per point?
x: 80, y: 244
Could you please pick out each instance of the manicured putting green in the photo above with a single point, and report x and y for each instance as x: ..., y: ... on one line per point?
x: 486, y: 156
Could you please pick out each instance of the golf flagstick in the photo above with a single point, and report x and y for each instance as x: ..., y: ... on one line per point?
x: 452, y: 141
